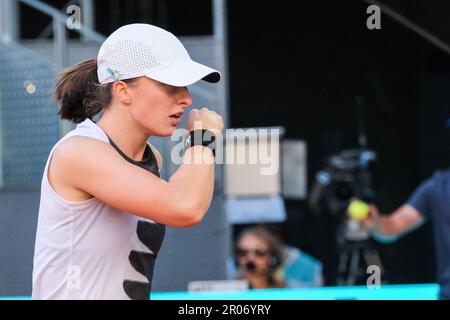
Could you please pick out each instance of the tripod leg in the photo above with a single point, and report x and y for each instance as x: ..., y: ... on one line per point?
x: 372, y: 258
x: 354, y: 267
x: 342, y: 267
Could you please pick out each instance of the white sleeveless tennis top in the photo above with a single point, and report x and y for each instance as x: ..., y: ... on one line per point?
x: 90, y: 250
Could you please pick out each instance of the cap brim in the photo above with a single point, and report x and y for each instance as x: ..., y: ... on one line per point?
x: 185, y: 74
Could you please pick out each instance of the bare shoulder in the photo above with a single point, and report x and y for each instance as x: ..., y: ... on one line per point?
x: 80, y: 142
x: 72, y: 162
x: 77, y: 150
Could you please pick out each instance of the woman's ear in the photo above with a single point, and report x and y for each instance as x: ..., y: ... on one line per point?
x: 121, y: 91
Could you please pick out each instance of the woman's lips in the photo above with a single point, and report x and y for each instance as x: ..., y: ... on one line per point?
x: 175, y: 120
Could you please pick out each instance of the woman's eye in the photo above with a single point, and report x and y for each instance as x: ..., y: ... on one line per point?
x: 170, y: 89
x: 174, y: 91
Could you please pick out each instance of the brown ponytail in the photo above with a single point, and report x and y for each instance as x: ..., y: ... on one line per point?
x: 79, y: 94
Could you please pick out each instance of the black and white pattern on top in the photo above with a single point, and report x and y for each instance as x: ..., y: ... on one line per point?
x: 151, y: 234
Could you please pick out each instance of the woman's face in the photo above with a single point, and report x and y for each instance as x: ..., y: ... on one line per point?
x: 158, y: 107
x: 252, y: 249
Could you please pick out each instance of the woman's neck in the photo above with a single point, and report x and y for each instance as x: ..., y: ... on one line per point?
x: 128, y: 136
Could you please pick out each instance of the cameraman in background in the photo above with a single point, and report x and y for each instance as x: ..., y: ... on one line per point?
x: 431, y: 200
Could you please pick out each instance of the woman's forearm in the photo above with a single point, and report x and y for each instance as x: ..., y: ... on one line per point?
x: 193, y: 182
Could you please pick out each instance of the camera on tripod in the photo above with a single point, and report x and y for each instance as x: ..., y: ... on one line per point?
x: 347, y: 175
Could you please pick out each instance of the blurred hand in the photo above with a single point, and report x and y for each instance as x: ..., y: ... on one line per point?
x: 372, y: 218
x: 205, y: 119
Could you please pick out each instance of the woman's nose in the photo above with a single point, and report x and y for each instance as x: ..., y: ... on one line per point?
x: 185, y: 97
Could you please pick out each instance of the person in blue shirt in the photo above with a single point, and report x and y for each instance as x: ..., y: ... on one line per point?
x: 431, y: 200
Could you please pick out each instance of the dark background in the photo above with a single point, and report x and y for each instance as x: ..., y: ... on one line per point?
x: 301, y: 65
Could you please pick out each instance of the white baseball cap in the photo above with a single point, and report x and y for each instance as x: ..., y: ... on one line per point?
x: 137, y: 50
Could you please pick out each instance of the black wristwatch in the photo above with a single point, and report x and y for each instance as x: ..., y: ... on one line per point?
x: 204, y: 138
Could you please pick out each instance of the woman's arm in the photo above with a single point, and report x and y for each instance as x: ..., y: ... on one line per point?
x: 93, y: 166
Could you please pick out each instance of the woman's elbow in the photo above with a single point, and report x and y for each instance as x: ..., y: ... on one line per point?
x: 193, y: 221
x: 190, y: 216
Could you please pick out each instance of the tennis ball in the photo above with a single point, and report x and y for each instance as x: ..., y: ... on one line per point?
x: 358, y: 209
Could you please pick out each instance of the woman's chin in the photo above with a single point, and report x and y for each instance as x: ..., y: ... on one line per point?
x: 165, y: 133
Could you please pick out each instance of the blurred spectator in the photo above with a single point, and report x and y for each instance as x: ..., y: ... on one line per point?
x: 259, y: 257
x: 262, y: 260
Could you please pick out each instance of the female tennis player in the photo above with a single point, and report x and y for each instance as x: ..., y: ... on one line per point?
x: 103, y: 207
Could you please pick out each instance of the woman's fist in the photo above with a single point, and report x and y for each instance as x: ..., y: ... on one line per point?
x: 204, y: 119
